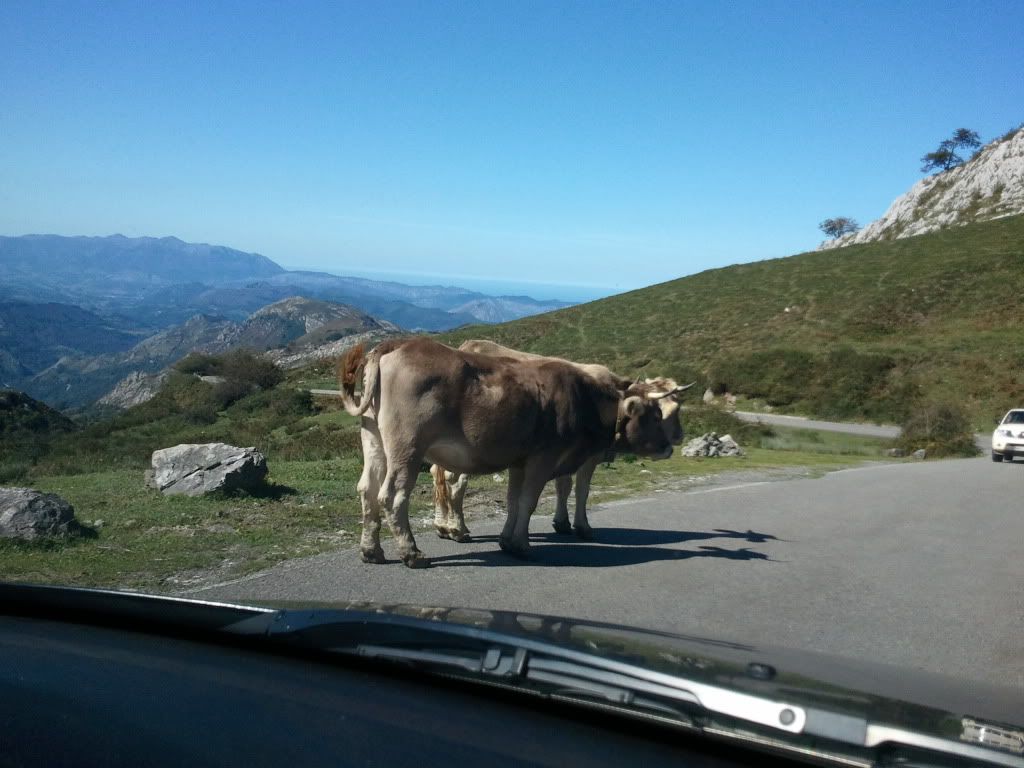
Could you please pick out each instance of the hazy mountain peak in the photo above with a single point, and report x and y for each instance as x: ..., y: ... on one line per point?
x: 989, y: 186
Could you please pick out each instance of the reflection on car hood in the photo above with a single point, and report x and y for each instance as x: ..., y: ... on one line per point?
x: 925, y: 701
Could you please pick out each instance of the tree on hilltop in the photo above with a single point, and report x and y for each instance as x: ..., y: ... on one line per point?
x: 945, y: 157
x: 839, y: 226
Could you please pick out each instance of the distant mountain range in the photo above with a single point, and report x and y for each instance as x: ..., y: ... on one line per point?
x: 153, y: 283
x: 74, y: 380
x: 78, y: 315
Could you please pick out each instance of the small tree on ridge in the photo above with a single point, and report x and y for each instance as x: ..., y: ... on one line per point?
x: 839, y: 226
x: 945, y: 157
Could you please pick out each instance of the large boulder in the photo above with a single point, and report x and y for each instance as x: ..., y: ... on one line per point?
x: 710, y: 445
x: 198, y: 469
x: 28, y: 514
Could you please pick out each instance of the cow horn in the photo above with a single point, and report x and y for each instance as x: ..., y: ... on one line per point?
x: 658, y: 395
x: 677, y: 390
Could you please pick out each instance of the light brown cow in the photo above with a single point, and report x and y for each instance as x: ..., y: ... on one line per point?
x: 450, y: 487
x: 478, y: 413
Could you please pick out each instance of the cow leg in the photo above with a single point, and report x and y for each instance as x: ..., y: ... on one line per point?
x: 516, y: 539
x: 395, y: 494
x: 515, y: 484
x: 442, y: 500
x: 563, y: 486
x: 583, y: 477
x: 374, y: 468
x: 457, y: 529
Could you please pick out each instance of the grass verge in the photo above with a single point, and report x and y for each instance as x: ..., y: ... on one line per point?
x: 144, y: 540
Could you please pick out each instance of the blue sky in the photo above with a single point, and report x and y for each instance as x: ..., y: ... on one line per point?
x: 596, y: 143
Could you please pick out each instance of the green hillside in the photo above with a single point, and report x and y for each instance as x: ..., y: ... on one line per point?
x: 866, y: 331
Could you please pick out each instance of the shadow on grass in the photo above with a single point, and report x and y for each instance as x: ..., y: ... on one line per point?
x: 272, y: 491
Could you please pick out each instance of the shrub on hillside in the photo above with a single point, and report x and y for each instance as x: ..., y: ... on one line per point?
x: 229, y: 391
x: 242, y: 365
x: 239, y: 365
x: 942, y: 429
x: 197, y: 363
x: 847, y: 384
x: 280, y: 403
x: 840, y: 384
x: 777, y: 376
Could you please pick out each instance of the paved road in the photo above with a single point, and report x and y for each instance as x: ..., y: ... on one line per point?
x: 800, y: 422
x: 916, y: 564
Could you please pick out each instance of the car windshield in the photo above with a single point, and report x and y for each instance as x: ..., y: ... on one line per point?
x: 689, y: 317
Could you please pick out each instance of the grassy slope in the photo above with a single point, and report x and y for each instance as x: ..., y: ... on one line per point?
x: 948, y: 307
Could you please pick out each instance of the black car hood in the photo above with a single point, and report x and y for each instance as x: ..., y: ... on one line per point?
x: 943, y: 707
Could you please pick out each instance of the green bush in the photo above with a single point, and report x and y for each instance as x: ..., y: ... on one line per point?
x: 777, y: 376
x: 839, y: 384
x: 239, y: 365
x: 229, y: 391
x: 847, y: 384
x: 280, y: 403
x: 13, y: 470
x: 242, y: 365
x: 942, y: 429
x: 198, y: 364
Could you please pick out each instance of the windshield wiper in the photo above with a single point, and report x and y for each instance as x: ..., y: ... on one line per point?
x: 543, y: 668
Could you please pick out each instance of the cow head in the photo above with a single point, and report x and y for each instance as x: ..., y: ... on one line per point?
x: 668, y: 394
x: 639, y: 428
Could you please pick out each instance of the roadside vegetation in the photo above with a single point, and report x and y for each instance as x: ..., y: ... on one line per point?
x: 941, y: 429
x: 139, y: 538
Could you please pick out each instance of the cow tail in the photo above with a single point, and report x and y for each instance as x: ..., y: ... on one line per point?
x: 442, y: 493
x: 348, y: 373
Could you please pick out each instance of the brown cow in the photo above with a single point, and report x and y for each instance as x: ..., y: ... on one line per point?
x: 450, y: 487
x: 474, y: 414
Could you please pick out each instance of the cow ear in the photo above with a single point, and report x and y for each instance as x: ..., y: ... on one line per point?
x: 633, y: 406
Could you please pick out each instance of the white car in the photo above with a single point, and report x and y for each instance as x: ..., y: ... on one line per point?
x: 1008, y: 438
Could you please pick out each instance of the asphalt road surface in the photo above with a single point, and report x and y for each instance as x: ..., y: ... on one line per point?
x: 914, y: 564
x: 800, y: 422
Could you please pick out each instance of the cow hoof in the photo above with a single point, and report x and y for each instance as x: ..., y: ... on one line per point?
x: 584, y: 534
x: 516, y: 550
x: 415, y: 560
x: 562, y: 527
x: 375, y: 556
x: 443, y: 533
x: 460, y: 536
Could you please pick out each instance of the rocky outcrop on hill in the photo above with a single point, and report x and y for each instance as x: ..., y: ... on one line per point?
x: 295, y: 356
x: 134, y: 389
x: 197, y: 469
x: 989, y: 186
x: 28, y: 515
